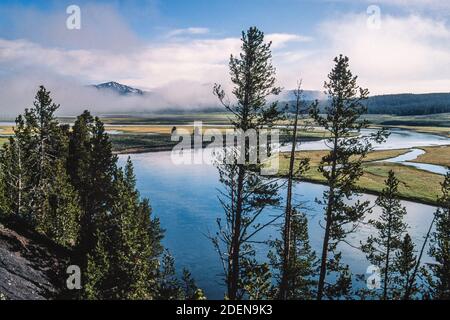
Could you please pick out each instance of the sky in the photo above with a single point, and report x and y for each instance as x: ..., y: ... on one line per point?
x: 178, y: 49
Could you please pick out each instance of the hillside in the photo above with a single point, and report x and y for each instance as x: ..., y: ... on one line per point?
x: 399, y: 104
x: 31, y: 266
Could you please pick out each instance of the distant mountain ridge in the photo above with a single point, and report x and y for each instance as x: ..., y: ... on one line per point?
x: 402, y: 104
x: 395, y: 104
x: 119, y: 89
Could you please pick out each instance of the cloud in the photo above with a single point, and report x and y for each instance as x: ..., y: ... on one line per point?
x: 179, y: 74
x: 102, y: 27
x: 407, y: 54
x: 188, y: 31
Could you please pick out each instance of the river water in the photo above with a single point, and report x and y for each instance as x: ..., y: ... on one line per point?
x: 184, y: 197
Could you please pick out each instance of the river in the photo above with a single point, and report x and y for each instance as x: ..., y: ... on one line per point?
x: 184, y: 198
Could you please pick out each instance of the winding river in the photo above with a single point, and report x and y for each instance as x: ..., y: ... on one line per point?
x: 184, y: 197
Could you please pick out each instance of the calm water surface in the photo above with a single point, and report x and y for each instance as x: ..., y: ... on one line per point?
x: 184, y: 197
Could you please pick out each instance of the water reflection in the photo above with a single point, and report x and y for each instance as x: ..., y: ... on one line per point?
x: 184, y: 197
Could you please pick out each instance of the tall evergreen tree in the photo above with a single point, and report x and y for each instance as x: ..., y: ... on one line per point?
x: 34, y: 163
x: 404, y: 263
x: 43, y: 144
x: 91, y: 166
x: 382, y: 247
x: 296, y: 256
x: 440, y: 246
x: 246, y: 194
x: 342, y: 166
x: 125, y: 259
x: 299, y: 273
x: 63, y: 218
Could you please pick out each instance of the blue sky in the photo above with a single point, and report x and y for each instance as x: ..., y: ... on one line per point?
x: 148, y: 17
x: 178, y: 49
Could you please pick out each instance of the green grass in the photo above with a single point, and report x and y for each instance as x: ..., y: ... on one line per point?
x: 133, y: 143
x: 3, y: 140
x: 415, y: 185
x: 429, y: 120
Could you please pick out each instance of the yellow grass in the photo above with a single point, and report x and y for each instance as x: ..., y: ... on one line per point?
x: 435, y: 155
x: 6, y: 130
x: 157, y: 129
x: 415, y: 184
x: 167, y: 129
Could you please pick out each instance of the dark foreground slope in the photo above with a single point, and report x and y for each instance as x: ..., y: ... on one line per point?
x: 31, y: 266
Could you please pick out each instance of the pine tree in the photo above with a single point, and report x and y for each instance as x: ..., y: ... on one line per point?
x: 124, y: 262
x: 300, y: 271
x: 172, y: 288
x: 439, y: 281
x: 43, y: 139
x: 91, y: 166
x: 246, y: 193
x: 95, y: 286
x: 62, y: 220
x: 256, y: 279
x: 342, y: 166
x: 403, y: 266
x: 33, y: 163
x: 381, y: 248
x: 296, y: 256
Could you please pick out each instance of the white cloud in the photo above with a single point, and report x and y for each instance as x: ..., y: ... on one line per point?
x: 180, y: 74
x: 410, y: 54
x: 188, y: 31
x: 407, y: 54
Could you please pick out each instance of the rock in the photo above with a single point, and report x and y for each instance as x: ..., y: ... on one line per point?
x: 31, y: 266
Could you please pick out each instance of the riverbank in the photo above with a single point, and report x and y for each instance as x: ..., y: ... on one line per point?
x: 132, y: 143
x: 415, y: 184
x: 440, y: 131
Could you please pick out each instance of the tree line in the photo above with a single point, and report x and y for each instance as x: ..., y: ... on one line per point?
x: 406, y: 104
x: 65, y: 182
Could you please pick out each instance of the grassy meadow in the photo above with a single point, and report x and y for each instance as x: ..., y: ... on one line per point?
x: 415, y: 184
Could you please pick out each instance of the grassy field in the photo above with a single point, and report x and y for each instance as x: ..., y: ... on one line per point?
x: 434, y: 123
x: 6, y: 130
x: 429, y: 120
x: 167, y: 129
x: 2, y: 141
x: 169, y: 119
x: 415, y: 184
x: 435, y: 155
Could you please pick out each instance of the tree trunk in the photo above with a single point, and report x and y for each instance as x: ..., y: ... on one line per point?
x: 329, y: 217
x: 386, y: 266
x: 284, y: 285
x: 416, y: 267
x: 235, y: 243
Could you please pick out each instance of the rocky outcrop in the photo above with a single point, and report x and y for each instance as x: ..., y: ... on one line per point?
x: 31, y: 266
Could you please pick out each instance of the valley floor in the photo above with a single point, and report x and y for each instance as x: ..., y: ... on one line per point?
x: 415, y: 184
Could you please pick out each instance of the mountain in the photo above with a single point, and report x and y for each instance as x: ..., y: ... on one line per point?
x: 118, y: 88
x: 308, y: 95
x: 403, y: 104
x: 409, y: 104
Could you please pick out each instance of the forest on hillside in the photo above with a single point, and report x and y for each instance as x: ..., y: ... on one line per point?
x: 407, y: 104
